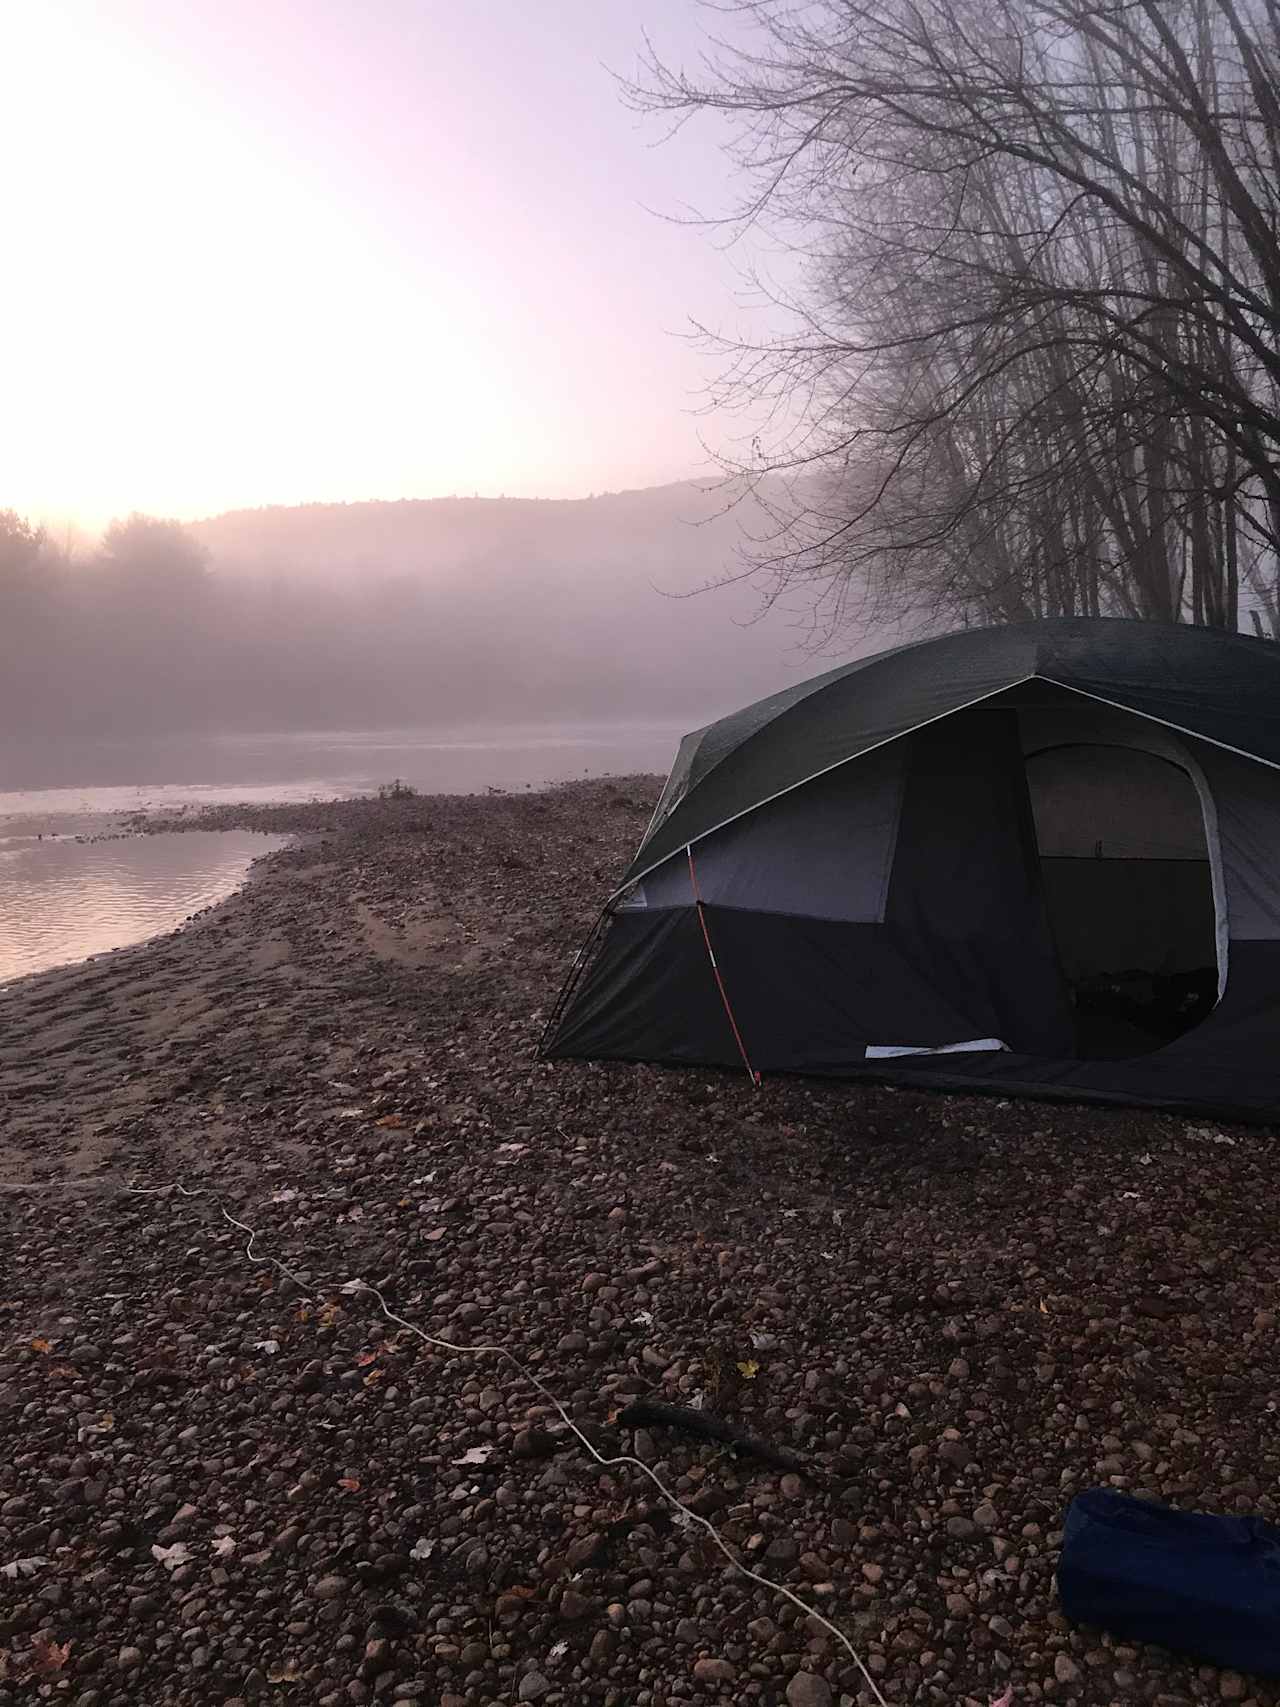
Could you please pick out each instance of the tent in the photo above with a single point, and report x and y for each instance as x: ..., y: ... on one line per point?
x: 1040, y: 858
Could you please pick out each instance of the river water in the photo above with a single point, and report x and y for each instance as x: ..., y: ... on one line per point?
x: 71, y: 886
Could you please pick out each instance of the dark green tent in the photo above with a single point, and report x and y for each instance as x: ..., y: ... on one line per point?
x: 1040, y: 857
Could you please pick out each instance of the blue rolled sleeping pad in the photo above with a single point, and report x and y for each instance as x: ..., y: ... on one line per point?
x: 1203, y: 1586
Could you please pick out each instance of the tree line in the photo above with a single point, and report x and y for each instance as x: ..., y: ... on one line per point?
x: 380, y: 615
x: 144, y: 634
x: 1032, y: 365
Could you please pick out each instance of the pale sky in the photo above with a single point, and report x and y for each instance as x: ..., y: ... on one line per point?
x: 272, y: 251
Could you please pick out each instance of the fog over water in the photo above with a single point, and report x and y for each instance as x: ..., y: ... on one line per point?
x: 436, y: 613
x: 73, y: 774
x: 312, y: 652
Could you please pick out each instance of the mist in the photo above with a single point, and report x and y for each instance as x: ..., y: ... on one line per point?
x: 422, y: 613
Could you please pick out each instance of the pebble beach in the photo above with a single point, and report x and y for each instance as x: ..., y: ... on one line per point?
x: 228, y: 1475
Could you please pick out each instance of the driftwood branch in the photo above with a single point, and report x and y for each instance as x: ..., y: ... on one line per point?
x: 652, y: 1413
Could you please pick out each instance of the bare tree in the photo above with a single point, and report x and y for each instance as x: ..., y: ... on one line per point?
x: 1035, y: 366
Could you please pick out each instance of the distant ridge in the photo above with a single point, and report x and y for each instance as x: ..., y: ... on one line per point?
x: 563, y: 606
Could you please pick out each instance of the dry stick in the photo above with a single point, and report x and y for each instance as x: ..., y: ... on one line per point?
x: 654, y: 1413
x: 687, y: 1519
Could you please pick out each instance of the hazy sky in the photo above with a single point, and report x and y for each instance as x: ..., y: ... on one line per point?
x: 277, y: 250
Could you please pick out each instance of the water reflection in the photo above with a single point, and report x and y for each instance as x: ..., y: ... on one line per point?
x: 63, y: 900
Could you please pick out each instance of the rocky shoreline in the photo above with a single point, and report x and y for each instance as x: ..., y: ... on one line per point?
x: 224, y: 1485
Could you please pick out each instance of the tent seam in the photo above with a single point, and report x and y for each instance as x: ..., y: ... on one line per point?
x: 814, y: 777
x: 842, y: 673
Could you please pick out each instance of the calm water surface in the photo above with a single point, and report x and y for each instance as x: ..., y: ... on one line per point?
x: 65, y: 896
x: 66, y: 900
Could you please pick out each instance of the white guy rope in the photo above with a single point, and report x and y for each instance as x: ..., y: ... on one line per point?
x: 687, y: 1519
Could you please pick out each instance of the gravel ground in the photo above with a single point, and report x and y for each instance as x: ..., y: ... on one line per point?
x: 220, y: 1485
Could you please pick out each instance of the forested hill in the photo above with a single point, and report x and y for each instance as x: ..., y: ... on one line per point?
x: 438, y: 612
x: 505, y: 607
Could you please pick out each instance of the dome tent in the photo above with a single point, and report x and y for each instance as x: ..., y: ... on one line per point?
x: 1043, y: 857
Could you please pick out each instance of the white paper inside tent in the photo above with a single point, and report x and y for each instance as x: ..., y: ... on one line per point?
x: 823, y: 850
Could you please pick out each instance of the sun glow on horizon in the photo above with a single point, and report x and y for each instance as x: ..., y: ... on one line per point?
x: 201, y: 314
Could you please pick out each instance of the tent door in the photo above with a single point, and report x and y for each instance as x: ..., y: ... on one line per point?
x: 1129, y: 890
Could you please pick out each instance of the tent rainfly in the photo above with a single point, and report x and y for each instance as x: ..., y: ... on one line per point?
x: 1040, y: 858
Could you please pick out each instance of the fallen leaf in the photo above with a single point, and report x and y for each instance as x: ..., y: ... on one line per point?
x: 365, y: 1358
x: 44, y: 1347
x: 172, y: 1557
x: 350, y: 1483
x: 1044, y: 1308
x: 48, y: 1658
x: 374, y: 1376
x: 475, y: 1455
x: 1006, y: 1700
x: 223, y: 1547
x: 392, y: 1122
x: 287, y: 1673
x: 748, y: 1369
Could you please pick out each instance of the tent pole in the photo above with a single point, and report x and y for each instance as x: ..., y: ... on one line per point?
x: 711, y: 956
x: 572, y: 979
